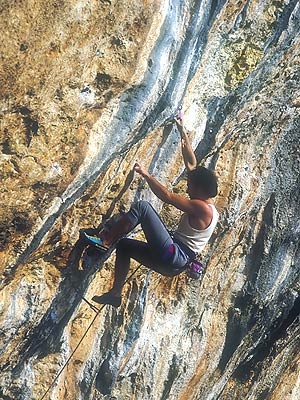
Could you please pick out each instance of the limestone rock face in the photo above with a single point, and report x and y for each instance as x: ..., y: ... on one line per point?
x: 88, y: 87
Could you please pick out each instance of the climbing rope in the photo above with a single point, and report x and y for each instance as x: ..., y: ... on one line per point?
x: 97, y: 310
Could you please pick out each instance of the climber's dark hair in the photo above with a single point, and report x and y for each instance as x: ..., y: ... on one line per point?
x: 205, y: 179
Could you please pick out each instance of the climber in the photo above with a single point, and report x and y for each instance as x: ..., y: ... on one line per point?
x: 164, y: 253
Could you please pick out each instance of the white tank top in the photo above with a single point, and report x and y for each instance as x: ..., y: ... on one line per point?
x: 193, y: 238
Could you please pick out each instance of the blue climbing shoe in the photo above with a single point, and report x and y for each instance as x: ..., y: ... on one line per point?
x: 94, y: 241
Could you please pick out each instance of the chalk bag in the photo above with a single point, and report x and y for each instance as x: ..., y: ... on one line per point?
x: 195, y: 270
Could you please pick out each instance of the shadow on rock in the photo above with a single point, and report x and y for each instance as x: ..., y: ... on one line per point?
x: 46, y: 337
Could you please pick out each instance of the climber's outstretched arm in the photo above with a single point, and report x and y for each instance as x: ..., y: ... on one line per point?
x: 188, y: 154
x: 195, y: 207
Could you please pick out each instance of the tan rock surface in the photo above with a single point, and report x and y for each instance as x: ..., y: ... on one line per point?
x: 86, y: 89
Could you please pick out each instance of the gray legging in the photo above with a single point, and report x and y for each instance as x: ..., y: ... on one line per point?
x: 160, y: 253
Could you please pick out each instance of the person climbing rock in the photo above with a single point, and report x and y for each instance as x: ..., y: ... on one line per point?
x: 162, y: 252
